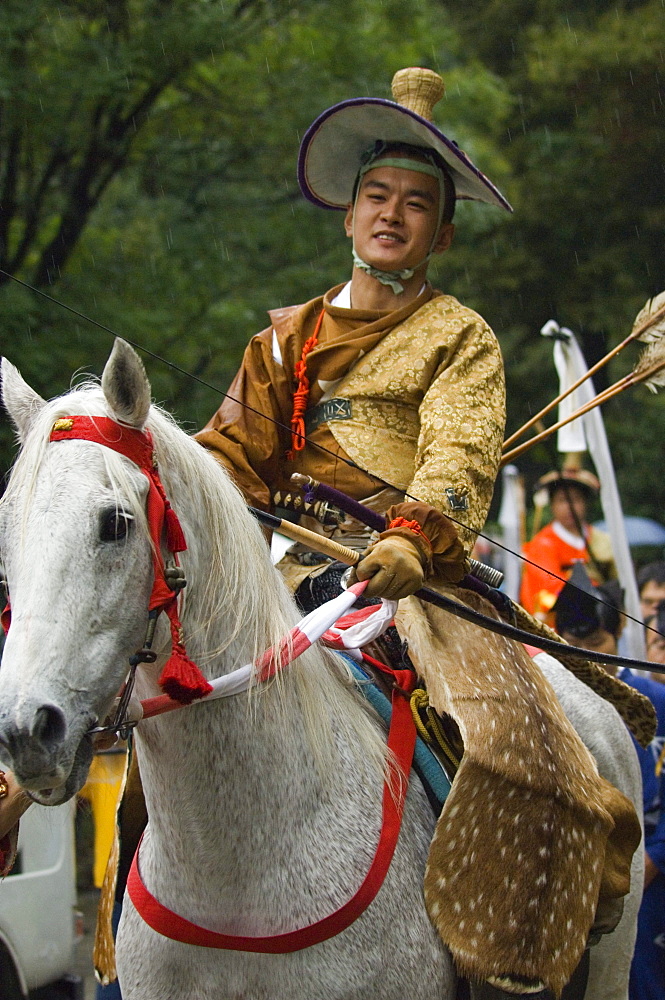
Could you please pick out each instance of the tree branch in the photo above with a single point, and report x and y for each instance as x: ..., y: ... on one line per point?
x: 8, y: 193
x: 106, y: 155
x: 58, y: 160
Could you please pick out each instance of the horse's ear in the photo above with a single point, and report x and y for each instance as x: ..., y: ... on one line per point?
x: 21, y: 402
x: 126, y: 386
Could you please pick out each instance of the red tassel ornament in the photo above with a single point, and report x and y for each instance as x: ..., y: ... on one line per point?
x: 175, y: 539
x: 301, y: 395
x: 182, y: 680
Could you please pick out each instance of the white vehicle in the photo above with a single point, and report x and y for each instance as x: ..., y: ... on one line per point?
x: 39, y: 922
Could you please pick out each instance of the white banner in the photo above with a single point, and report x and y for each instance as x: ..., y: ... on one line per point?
x: 587, y: 433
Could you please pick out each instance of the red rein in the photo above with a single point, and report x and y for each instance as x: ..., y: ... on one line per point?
x: 401, y: 742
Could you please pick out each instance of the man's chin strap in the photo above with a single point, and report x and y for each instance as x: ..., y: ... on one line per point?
x: 394, y: 279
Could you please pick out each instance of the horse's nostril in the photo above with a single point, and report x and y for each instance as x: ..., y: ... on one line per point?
x: 49, y: 726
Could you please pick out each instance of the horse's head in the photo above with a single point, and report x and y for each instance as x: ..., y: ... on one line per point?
x: 78, y: 566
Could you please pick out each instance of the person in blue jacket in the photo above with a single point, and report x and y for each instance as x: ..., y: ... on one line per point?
x: 591, y: 617
x: 647, y: 973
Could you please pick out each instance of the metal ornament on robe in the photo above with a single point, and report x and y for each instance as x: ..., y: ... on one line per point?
x: 328, y: 409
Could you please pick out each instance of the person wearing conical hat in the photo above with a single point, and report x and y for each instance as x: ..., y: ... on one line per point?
x: 382, y: 379
x: 567, y: 540
x: 393, y: 392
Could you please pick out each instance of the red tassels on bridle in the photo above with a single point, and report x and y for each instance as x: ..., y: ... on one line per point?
x: 180, y: 678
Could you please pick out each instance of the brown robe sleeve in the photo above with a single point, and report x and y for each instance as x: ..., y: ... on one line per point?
x: 250, y: 430
x: 462, y: 419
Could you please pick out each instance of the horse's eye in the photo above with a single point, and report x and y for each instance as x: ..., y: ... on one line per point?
x: 114, y: 525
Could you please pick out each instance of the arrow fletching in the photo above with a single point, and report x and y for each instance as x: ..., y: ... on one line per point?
x: 654, y: 331
x: 650, y: 368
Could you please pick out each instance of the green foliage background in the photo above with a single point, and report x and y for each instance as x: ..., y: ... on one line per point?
x: 147, y: 178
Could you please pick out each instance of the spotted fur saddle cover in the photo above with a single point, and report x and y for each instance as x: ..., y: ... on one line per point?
x: 531, y: 838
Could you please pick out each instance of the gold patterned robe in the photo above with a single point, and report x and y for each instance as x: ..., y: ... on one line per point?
x: 426, y: 391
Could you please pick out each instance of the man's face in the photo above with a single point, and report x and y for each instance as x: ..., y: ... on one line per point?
x: 395, y: 218
x: 600, y: 641
x: 655, y: 648
x: 561, y: 502
x: 650, y: 597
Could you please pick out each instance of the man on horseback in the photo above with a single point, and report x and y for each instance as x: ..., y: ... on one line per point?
x: 394, y: 393
x: 383, y: 380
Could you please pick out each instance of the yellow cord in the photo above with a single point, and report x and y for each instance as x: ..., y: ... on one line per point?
x: 420, y: 700
x: 432, y: 731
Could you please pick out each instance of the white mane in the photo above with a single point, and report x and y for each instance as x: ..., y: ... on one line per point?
x: 235, y: 582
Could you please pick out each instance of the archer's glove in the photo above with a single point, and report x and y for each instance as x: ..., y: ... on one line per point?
x: 394, y: 568
x: 418, y: 541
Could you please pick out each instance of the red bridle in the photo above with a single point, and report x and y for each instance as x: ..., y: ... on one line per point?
x: 181, y: 679
x: 401, y: 744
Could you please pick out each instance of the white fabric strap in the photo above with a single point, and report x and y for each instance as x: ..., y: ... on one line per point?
x: 312, y: 627
x: 372, y: 627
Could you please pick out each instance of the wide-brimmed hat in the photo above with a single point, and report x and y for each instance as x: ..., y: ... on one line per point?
x: 331, y: 152
x: 582, y: 478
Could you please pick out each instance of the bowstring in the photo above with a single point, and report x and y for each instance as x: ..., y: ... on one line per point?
x: 278, y: 423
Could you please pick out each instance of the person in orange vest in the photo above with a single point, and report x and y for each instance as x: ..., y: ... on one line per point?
x: 566, y: 540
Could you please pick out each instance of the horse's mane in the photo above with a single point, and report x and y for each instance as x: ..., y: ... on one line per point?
x: 240, y: 587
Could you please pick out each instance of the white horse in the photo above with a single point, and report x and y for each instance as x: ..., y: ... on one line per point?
x: 264, y: 808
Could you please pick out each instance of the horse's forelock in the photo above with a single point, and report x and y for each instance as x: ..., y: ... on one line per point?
x: 87, y: 400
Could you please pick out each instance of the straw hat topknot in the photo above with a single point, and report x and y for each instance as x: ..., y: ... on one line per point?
x: 418, y: 90
x: 331, y: 152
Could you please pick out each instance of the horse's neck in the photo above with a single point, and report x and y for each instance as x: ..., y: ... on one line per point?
x: 233, y: 763
x: 234, y: 794
x: 193, y: 752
